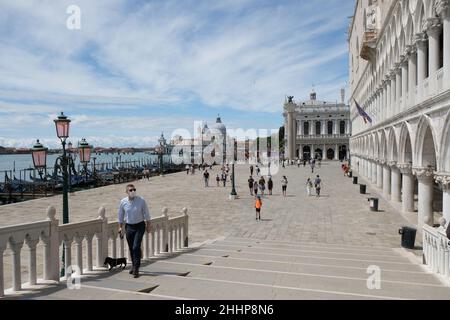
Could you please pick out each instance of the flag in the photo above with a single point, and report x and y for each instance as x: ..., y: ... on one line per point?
x: 362, y: 113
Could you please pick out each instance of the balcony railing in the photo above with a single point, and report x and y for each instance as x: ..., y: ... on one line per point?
x: 166, y: 235
x: 324, y: 136
x: 436, y: 250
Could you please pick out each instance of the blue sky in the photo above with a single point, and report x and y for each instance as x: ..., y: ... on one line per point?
x: 136, y: 68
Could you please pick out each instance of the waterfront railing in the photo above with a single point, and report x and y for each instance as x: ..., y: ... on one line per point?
x: 167, y: 235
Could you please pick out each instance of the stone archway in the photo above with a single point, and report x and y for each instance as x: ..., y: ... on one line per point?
x: 306, y: 152
x: 330, y: 154
x: 318, y: 153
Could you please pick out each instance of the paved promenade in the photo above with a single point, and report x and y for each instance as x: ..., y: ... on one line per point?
x: 341, y: 215
x: 340, y: 218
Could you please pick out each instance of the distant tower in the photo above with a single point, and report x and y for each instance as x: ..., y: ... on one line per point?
x: 343, y: 96
x: 313, y: 95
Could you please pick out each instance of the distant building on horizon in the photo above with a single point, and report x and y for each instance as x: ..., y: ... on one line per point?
x: 317, y: 129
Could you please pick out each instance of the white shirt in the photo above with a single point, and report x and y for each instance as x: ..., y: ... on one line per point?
x: 133, y: 211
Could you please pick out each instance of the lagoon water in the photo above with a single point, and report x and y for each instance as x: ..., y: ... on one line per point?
x: 18, y: 162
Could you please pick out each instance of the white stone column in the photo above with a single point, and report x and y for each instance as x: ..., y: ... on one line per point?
x: 379, y: 175
x: 443, y: 9
x: 398, y: 89
x: 412, y: 75
x: 336, y: 153
x: 425, y: 205
x: 32, y: 243
x: 290, y: 108
x: 16, y: 247
x: 421, y: 67
x: 444, y: 180
x: 433, y: 32
x: 407, y: 187
x: 395, y: 183
x: 386, y: 180
x: 374, y: 172
x: 388, y: 99
x: 404, y: 66
x: 393, y: 93
x: 2, y: 287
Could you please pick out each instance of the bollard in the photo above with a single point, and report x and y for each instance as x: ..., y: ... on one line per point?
x: 362, y: 188
x: 355, y: 180
x: 373, y: 204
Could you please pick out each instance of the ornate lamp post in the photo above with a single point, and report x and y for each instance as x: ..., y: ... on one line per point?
x: 39, y: 154
x: 233, y: 194
x: 84, y: 151
x: 161, y: 150
x: 62, y: 124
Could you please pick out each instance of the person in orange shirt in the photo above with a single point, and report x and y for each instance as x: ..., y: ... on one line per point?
x: 258, y: 206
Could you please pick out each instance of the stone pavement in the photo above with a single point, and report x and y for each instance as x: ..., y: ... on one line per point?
x: 340, y: 219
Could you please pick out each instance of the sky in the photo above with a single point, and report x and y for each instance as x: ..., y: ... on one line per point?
x: 136, y: 68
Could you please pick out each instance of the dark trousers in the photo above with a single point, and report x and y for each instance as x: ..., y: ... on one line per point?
x: 135, y: 233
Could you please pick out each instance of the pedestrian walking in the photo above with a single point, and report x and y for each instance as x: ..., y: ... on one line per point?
x: 218, y: 180
x: 318, y: 185
x: 313, y: 164
x: 258, y: 170
x: 284, y: 183
x: 309, y: 186
x: 262, y: 185
x: 270, y: 185
x: 250, y: 184
x: 134, y: 214
x: 224, y: 179
x: 255, y: 188
x: 251, y: 170
x: 206, y: 178
x: 258, y: 206
x: 298, y: 163
x: 187, y: 169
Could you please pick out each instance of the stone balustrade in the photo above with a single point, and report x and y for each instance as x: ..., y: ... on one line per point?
x: 166, y: 235
x: 436, y: 250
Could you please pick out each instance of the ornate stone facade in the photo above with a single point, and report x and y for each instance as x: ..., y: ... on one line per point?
x: 318, y: 129
x: 404, y: 85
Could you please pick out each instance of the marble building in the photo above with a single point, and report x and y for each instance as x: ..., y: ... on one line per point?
x: 400, y: 75
x: 319, y: 129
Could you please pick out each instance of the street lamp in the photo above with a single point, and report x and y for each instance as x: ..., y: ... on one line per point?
x: 84, y: 151
x: 160, y: 150
x: 233, y: 194
x: 62, y: 124
x: 39, y: 154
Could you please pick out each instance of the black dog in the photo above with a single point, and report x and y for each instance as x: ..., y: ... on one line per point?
x: 115, y: 262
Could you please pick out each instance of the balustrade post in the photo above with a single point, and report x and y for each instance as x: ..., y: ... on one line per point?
x: 16, y: 247
x: 51, y: 248
x: 79, y: 248
x: 146, y: 249
x: 102, y: 238
x: 89, y: 238
x: 153, y: 235
x: 67, y: 255
x: 113, y: 246
x: 165, y: 228
x: 186, y: 227
x: 2, y: 285
x: 32, y: 243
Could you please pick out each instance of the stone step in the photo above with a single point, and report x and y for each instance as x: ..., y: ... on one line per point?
x: 322, y: 253
x: 98, y: 291
x: 352, y: 285
x: 309, y: 258
x: 279, y: 266
x: 307, y: 243
x: 309, y: 246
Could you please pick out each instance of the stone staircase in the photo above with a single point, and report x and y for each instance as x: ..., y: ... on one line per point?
x: 248, y: 268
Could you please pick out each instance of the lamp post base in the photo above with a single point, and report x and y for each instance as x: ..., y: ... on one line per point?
x: 232, y: 197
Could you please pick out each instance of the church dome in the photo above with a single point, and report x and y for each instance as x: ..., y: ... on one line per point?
x: 220, y: 127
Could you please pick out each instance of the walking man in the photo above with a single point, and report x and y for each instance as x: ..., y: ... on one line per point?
x: 250, y: 184
x: 251, y: 170
x: 270, y: 185
x: 206, y: 178
x: 318, y: 185
x: 134, y: 213
x: 284, y: 183
x: 309, y: 186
